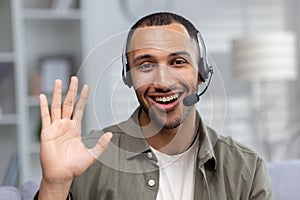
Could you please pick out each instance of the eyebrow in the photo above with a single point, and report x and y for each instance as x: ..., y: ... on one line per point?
x: 140, y: 57
x: 180, y: 53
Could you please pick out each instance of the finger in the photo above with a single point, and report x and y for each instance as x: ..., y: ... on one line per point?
x: 101, y: 145
x: 45, y: 116
x: 70, y: 98
x: 56, y: 101
x: 79, y: 108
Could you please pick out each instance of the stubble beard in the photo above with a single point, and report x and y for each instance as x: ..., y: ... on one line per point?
x: 160, y: 118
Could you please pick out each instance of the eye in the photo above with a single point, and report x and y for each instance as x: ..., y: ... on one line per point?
x: 146, y: 66
x: 179, y: 62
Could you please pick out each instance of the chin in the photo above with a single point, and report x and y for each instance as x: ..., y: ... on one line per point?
x: 167, y: 120
x: 172, y: 125
x: 167, y: 123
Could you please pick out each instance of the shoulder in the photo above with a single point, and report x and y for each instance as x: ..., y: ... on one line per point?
x: 239, y: 170
x: 92, y: 137
x: 228, y: 145
x: 235, y: 156
x: 115, y: 128
x: 225, y: 147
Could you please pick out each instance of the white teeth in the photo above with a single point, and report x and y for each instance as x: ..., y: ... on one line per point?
x: 166, y: 99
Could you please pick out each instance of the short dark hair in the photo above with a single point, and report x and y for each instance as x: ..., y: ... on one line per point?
x: 161, y: 19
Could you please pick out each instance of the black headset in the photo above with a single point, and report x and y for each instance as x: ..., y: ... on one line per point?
x: 204, y: 68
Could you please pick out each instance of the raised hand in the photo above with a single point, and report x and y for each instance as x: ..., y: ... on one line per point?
x: 63, y: 155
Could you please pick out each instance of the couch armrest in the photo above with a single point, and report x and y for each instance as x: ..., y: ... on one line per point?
x: 285, y: 179
x: 9, y: 192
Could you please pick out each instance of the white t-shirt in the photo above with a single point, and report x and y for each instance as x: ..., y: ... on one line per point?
x: 177, y: 174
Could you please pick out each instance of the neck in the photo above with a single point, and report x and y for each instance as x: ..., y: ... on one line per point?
x: 171, y: 141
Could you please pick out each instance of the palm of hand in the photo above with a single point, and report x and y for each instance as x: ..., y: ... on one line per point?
x: 63, y: 154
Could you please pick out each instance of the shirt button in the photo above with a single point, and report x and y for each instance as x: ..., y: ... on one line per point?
x: 151, y: 183
x: 149, y: 155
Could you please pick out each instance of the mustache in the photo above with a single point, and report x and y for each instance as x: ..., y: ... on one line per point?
x: 167, y: 89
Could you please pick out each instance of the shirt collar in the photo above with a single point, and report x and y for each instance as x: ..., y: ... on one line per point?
x: 208, y: 139
x: 135, y: 143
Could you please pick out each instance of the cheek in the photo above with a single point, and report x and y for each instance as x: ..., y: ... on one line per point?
x: 140, y: 95
x: 140, y: 91
x: 141, y: 80
x: 190, y: 78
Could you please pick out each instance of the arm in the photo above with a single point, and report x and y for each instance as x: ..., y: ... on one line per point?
x: 63, y: 155
x: 261, y: 186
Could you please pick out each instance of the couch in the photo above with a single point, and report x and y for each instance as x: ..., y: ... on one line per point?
x: 285, y: 179
x: 25, y: 192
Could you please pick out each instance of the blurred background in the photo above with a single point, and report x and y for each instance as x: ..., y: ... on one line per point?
x: 253, y: 46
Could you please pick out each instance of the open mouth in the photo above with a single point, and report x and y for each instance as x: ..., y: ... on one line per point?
x: 166, y: 99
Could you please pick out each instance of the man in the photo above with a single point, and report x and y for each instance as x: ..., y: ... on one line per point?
x: 163, y: 151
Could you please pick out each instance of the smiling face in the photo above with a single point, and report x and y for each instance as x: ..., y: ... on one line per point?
x: 163, y: 63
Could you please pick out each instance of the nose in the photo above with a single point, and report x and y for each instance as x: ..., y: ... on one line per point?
x: 164, y: 77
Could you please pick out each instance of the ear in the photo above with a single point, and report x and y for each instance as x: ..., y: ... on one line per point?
x: 200, y: 81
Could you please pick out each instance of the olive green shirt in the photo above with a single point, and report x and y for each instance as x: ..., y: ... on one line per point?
x: 128, y: 169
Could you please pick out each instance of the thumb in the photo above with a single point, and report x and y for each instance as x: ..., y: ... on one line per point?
x: 101, y: 145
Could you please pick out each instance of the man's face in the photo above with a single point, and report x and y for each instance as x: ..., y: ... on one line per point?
x: 163, y: 62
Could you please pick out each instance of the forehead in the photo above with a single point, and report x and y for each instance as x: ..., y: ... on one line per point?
x: 168, y: 37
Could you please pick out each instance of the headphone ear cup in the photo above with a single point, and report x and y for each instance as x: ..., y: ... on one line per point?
x: 202, y: 70
x: 126, y: 75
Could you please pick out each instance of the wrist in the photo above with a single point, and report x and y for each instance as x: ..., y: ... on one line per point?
x: 58, y: 190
